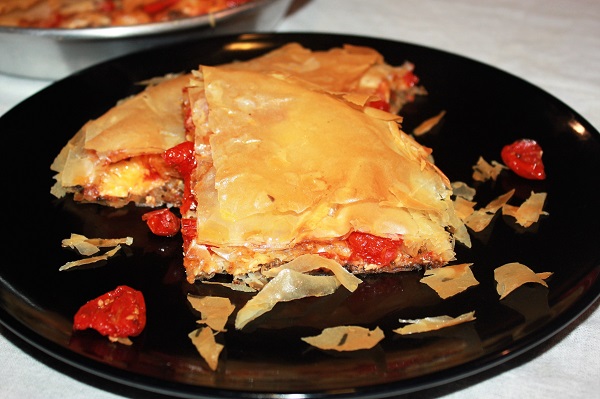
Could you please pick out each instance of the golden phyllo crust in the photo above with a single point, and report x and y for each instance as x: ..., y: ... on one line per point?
x: 296, y: 168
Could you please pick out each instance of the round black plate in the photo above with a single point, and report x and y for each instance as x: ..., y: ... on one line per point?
x: 486, y: 109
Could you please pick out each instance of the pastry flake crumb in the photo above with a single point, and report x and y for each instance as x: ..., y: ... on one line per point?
x: 529, y: 211
x: 432, y: 323
x: 89, y: 246
x: 483, y: 170
x: 214, y: 310
x: 481, y: 218
x: 204, y: 341
x: 428, y: 124
x: 448, y: 281
x: 513, y: 275
x: 288, y: 285
x: 91, y: 259
x: 346, y: 338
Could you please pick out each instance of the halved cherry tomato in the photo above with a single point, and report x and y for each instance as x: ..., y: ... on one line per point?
x: 373, y: 249
x: 181, y: 157
x: 524, y: 157
x: 162, y: 222
x: 119, y: 313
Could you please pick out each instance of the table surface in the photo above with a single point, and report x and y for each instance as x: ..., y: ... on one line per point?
x: 554, y: 44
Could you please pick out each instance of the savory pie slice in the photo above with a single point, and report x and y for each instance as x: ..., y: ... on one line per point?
x: 118, y: 157
x: 288, y: 168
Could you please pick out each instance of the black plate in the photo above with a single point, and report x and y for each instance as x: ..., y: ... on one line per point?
x: 486, y: 109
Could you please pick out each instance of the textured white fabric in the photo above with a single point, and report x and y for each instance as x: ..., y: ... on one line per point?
x: 554, y: 44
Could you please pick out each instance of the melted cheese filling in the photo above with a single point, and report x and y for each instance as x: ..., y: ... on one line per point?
x: 126, y: 178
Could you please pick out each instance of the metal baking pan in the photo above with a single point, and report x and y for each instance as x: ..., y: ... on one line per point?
x: 52, y: 54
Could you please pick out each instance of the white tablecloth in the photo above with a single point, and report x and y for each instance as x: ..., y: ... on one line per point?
x: 554, y: 44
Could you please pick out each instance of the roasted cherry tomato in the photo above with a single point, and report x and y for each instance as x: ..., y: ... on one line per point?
x: 379, y: 104
x: 182, y: 157
x: 524, y: 157
x: 373, y: 249
x: 120, y: 313
x: 162, y: 222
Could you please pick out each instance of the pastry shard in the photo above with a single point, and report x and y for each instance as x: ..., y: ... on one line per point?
x: 287, y: 168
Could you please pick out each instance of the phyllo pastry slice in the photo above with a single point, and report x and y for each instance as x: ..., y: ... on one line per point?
x: 292, y: 169
x: 117, y: 158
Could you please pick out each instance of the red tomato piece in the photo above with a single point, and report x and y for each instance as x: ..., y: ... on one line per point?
x: 410, y: 79
x: 524, y: 157
x: 373, y: 249
x: 379, y: 104
x: 162, y: 222
x: 188, y: 231
x: 181, y: 157
x: 120, y: 313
